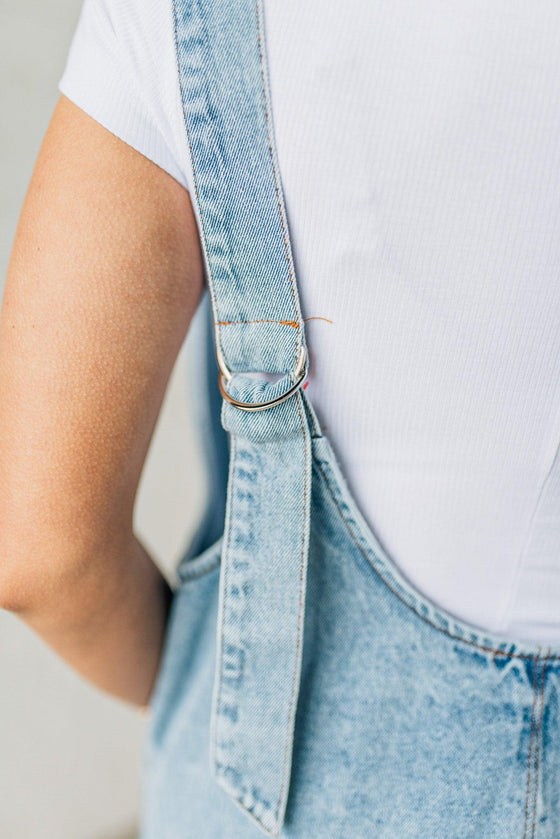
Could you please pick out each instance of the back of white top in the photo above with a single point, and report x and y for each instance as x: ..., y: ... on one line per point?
x: 419, y: 150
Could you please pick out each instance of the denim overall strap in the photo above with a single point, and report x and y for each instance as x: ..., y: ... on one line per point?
x: 258, y: 329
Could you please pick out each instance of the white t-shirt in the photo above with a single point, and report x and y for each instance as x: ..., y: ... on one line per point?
x: 419, y: 151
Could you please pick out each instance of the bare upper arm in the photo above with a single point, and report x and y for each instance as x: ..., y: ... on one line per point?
x: 104, y: 277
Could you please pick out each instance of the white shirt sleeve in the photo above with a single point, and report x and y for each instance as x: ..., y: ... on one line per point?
x: 120, y: 70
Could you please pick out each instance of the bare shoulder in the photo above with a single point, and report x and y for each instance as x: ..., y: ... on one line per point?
x: 104, y: 277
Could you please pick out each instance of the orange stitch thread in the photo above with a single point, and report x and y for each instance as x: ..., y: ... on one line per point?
x: 292, y: 323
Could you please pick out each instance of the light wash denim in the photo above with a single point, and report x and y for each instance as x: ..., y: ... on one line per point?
x: 306, y: 688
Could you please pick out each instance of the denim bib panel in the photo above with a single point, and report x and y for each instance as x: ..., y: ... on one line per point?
x: 409, y: 724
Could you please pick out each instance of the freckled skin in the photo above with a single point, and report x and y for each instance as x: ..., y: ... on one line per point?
x: 104, y: 277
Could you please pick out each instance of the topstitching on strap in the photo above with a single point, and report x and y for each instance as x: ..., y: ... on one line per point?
x: 258, y: 328
x: 224, y: 88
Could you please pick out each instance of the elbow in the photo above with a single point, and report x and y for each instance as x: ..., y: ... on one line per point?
x: 54, y: 551
x: 19, y: 567
x: 28, y: 576
x: 39, y: 568
x: 27, y: 564
x: 15, y: 595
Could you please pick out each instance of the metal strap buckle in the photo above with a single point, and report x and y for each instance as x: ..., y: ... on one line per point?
x: 300, y: 374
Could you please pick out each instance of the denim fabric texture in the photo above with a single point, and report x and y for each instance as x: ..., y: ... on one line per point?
x: 306, y: 688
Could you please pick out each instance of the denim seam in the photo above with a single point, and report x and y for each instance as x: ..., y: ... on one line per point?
x: 224, y: 598
x: 293, y: 702
x: 531, y: 745
x: 238, y: 794
x: 193, y: 169
x: 188, y: 575
x: 485, y: 648
x: 537, y: 741
x: 268, y: 119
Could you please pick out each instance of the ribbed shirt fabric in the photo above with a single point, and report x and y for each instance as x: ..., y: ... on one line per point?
x: 419, y: 151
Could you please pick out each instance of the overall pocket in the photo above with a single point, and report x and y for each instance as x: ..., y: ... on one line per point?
x: 189, y: 643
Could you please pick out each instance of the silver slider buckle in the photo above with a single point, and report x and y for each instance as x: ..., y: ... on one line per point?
x: 300, y: 374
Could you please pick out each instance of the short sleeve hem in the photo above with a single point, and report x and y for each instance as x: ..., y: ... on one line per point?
x: 93, y: 80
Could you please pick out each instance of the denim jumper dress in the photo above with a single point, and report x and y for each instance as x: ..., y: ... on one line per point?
x: 306, y: 688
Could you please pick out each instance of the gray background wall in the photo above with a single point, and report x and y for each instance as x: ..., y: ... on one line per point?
x: 69, y: 756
